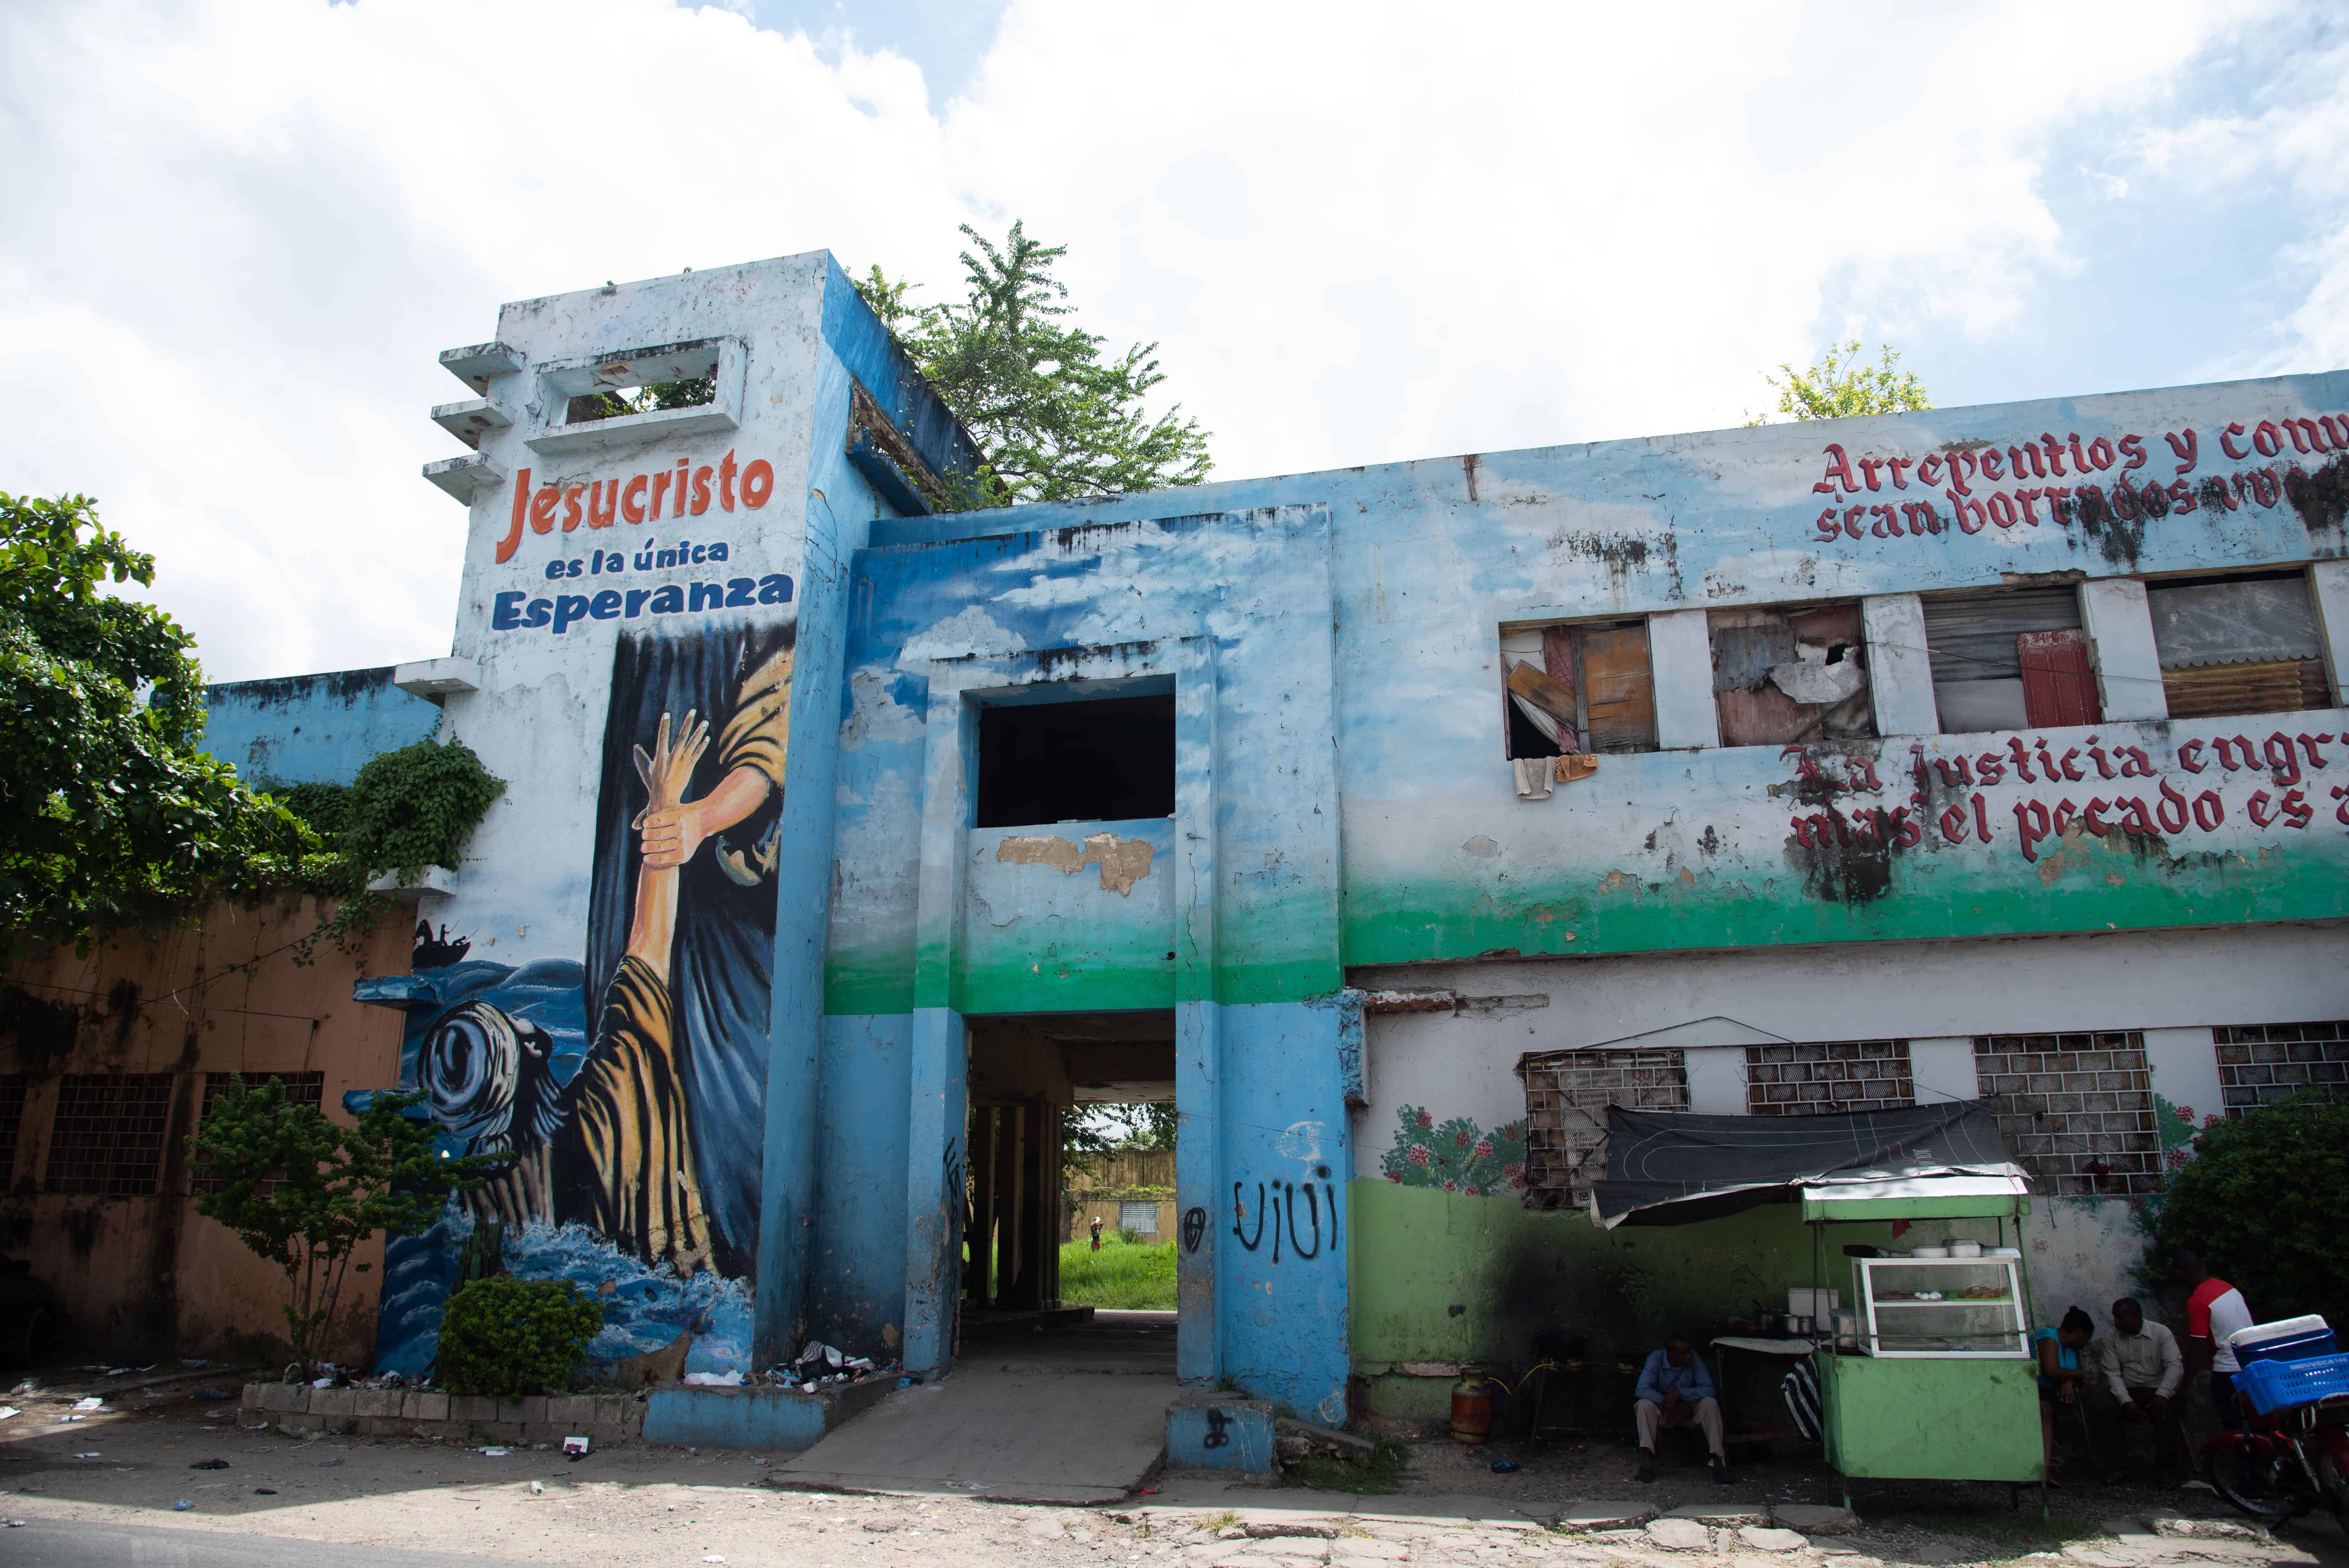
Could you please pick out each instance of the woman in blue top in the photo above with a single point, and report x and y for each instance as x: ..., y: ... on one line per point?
x: 2061, y: 1375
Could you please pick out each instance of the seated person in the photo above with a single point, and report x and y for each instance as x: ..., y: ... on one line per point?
x: 2061, y: 1374
x: 2138, y: 1371
x: 1676, y: 1391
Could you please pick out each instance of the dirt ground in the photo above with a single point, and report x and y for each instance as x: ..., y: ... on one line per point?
x: 641, y: 1506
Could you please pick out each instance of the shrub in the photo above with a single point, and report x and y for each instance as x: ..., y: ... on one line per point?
x: 512, y: 1337
x: 2265, y: 1201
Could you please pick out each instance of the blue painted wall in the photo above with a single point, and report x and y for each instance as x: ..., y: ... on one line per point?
x: 312, y: 729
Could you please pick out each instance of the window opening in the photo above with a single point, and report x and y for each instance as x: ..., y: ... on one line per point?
x: 2263, y: 1064
x: 693, y: 392
x: 1106, y: 759
x: 1566, y: 1097
x: 1141, y: 1218
x: 1569, y: 689
x: 1785, y: 676
x: 2076, y: 1109
x: 301, y: 1089
x: 2010, y: 661
x: 107, y: 1140
x: 12, y: 1125
x: 2238, y: 645
x: 1829, y: 1078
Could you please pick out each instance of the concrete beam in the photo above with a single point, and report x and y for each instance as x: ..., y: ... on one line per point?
x: 2120, y: 638
x: 1679, y: 658
x: 2328, y: 584
x: 1899, y: 672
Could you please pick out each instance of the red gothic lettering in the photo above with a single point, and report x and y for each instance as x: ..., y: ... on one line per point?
x: 2286, y: 768
x: 2216, y: 812
x: 1884, y: 516
x: 2070, y: 769
x: 1963, y: 775
x: 2100, y: 452
x: 2134, y: 816
x: 2189, y: 755
x: 2267, y: 439
x: 1867, y: 467
x: 2091, y: 816
x: 2030, y: 826
x: 2181, y: 496
x: 1981, y: 819
x: 2030, y: 512
x: 1896, y: 465
x: 2134, y: 763
x: 1973, y: 523
x: 1929, y: 469
x: 2054, y: 451
x: 2341, y: 793
x: 2133, y: 451
x: 2308, y: 744
x: 1953, y: 824
x: 2022, y: 761
x: 2185, y: 450
x: 2171, y: 813
x: 2226, y: 442
x: 2096, y: 756
x: 1910, y: 832
x: 2256, y: 809
x: 2065, y: 810
x: 2235, y: 753
x: 1851, y: 521
x: 1989, y: 769
x: 2306, y: 437
x: 2262, y: 484
x: 1994, y: 467
x: 2297, y: 811
x: 1922, y: 518
x: 1838, y: 472
x: 1962, y: 467
x: 1829, y: 523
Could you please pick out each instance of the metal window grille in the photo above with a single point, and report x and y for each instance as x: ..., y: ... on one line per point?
x: 12, y: 1124
x: 2260, y: 1064
x: 107, y: 1139
x: 1566, y: 1097
x: 301, y: 1089
x: 1829, y: 1078
x: 1142, y: 1217
x: 2076, y: 1109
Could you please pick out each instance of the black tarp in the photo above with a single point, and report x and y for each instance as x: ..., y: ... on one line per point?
x: 1669, y: 1168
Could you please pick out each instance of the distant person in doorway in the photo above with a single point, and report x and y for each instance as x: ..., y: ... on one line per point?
x: 1097, y: 1230
x: 2215, y: 1311
x: 2063, y: 1376
x: 1675, y: 1390
x: 2139, y: 1371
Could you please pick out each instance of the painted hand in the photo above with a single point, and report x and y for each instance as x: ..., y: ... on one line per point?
x: 671, y: 836
x: 665, y: 771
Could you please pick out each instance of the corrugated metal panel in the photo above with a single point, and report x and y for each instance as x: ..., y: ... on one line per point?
x: 2275, y: 685
x: 1742, y: 655
x: 2253, y: 620
x: 1970, y: 637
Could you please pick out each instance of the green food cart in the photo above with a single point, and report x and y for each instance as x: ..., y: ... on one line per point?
x: 1934, y: 1378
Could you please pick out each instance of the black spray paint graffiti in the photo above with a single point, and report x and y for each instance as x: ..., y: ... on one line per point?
x: 1195, y: 1228
x: 1216, y: 1437
x: 954, y: 1197
x: 1276, y: 1200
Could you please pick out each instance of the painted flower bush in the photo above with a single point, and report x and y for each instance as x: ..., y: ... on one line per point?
x: 1457, y: 1156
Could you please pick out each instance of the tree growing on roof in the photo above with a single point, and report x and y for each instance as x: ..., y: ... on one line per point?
x: 1841, y: 384
x: 1059, y: 416
x: 111, y: 814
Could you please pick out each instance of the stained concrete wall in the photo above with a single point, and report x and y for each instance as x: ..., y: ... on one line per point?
x: 144, y: 1274
x: 312, y: 729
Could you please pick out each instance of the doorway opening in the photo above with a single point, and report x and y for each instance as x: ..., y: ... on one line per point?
x: 1063, y: 1109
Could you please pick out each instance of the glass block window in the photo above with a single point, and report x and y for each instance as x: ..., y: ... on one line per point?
x: 1829, y: 1078
x: 1141, y: 1218
x: 1566, y: 1097
x: 108, y: 1138
x: 301, y: 1089
x: 2260, y: 1064
x: 2076, y: 1109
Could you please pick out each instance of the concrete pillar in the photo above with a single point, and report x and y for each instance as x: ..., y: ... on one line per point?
x: 2120, y: 640
x: 1943, y: 1069
x: 1900, y: 674
x: 1680, y: 661
x: 1198, y: 1024
x: 2328, y: 584
x: 2185, y: 1064
x: 788, y: 1179
x: 1716, y: 1080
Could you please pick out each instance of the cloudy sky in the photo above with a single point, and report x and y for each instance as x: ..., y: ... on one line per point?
x: 235, y: 234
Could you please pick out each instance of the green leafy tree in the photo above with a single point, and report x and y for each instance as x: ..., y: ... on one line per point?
x: 111, y: 815
x: 303, y: 1192
x: 1090, y: 1133
x: 1842, y: 384
x: 1059, y: 415
x: 515, y: 1337
x: 2265, y: 1201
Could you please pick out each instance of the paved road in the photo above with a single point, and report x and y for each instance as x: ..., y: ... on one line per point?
x: 64, y: 1543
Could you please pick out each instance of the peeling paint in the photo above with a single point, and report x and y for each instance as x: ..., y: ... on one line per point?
x: 1122, y: 861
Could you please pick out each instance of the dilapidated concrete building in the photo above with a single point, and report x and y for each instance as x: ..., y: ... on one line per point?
x: 1393, y: 821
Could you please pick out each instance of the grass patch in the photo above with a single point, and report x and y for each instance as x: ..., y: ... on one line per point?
x: 1133, y: 1275
x: 2018, y: 1528
x: 1382, y: 1473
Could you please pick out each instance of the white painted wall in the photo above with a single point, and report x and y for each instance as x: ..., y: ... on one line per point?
x: 1679, y: 658
x: 2119, y: 624
x: 1899, y: 670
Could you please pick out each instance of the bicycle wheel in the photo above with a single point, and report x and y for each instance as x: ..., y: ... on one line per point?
x: 2273, y: 1493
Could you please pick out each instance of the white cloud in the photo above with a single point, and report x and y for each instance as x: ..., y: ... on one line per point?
x: 239, y: 230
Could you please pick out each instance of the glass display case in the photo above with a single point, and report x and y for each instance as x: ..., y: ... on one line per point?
x: 1951, y: 1309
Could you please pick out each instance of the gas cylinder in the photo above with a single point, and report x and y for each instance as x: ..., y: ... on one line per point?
x: 1472, y: 1406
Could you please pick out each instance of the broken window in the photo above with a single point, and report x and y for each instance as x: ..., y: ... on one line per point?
x: 1785, y: 676
x: 2016, y: 660
x: 2238, y: 645
x: 1578, y: 688
x: 1566, y: 1097
x: 107, y: 1140
x: 1107, y: 760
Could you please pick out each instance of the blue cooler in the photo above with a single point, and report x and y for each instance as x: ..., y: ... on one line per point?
x: 2287, y: 1339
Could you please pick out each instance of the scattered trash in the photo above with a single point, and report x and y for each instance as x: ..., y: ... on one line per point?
x: 184, y: 1504
x: 73, y: 1418
x: 322, y: 1382
x: 112, y: 1371
x: 257, y: 1426
x: 16, y: 1524
x: 209, y: 1464
x: 8, y: 1410
x: 92, y: 1403
x: 714, y: 1379
x: 264, y: 1491
x: 536, y: 1489
x: 149, y: 1368
x: 496, y: 1453
x: 1505, y: 1467
x: 323, y: 1463
x: 711, y: 1557
x: 575, y: 1446
x: 90, y: 1456
x: 214, y: 1394
x: 193, y: 1361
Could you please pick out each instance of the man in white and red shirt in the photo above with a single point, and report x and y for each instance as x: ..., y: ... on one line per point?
x: 2215, y: 1310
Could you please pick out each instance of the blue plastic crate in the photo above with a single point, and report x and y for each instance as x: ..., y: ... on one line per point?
x: 2271, y: 1386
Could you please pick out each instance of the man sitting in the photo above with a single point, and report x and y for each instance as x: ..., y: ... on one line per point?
x: 1675, y: 1391
x: 2139, y: 1372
